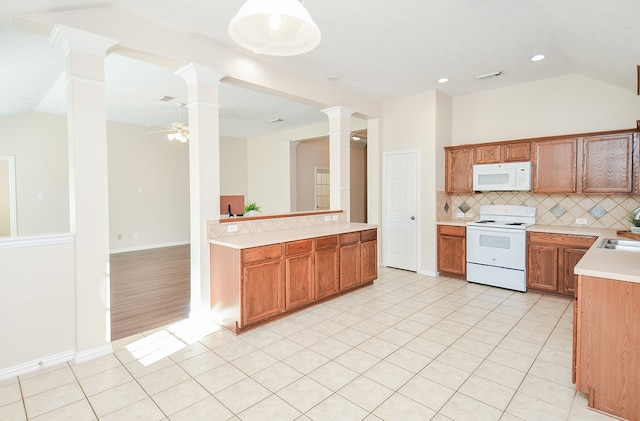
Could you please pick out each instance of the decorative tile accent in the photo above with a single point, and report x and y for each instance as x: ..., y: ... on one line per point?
x: 446, y: 207
x: 464, y: 207
x: 554, y: 209
x: 558, y: 210
x: 597, y: 211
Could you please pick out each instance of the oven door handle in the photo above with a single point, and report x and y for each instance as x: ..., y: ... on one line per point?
x: 498, y: 230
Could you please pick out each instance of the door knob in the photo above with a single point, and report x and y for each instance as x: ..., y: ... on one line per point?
x: 413, y: 218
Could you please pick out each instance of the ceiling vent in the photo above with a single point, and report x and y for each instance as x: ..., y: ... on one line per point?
x: 488, y: 75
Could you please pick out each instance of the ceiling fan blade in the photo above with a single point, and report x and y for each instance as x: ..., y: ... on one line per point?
x: 163, y: 131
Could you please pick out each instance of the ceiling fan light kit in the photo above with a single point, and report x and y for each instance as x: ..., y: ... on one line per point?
x: 274, y: 27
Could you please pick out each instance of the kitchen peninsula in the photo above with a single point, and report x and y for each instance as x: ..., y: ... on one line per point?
x: 296, y: 261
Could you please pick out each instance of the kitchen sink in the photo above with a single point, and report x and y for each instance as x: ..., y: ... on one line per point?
x: 626, y: 245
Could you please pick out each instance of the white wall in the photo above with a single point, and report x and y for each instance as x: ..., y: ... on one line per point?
x: 562, y: 105
x: 233, y: 166
x: 409, y: 124
x: 39, y: 143
x: 37, y: 303
x: 148, y: 188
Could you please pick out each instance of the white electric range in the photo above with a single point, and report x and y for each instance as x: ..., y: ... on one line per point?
x: 497, y: 246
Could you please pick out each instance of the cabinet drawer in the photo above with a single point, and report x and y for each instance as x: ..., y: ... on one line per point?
x: 453, y: 230
x: 349, y: 238
x: 327, y: 242
x: 257, y: 254
x: 583, y: 241
x: 368, y: 235
x: 296, y: 247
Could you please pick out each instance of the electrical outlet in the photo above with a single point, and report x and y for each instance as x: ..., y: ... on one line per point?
x: 335, y: 217
x: 327, y: 218
x: 136, y: 235
x: 581, y: 221
x: 232, y: 228
x: 459, y: 215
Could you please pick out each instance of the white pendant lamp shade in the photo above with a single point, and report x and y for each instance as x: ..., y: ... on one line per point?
x: 275, y: 28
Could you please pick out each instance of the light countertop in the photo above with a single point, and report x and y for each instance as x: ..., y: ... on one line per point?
x: 603, y: 263
x: 258, y: 239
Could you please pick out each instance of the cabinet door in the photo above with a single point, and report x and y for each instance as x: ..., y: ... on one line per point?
x: 516, y: 152
x: 262, y: 291
x: 298, y: 280
x: 459, y: 170
x: 607, y: 164
x: 327, y: 270
x: 571, y: 257
x: 489, y: 154
x: 369, y: 261
x: 452, y: 255
x: 554, y: 166
x: 349, y: 266
x: 542, y: 267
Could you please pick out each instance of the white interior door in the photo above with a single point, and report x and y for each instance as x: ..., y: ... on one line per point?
x: 400, y: 208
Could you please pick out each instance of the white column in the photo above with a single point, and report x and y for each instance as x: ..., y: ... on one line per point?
x: 204, y: 174
x: 88, y: 184
x: 339, y: 158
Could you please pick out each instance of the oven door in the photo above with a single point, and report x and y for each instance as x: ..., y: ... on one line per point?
x: 502, y: 247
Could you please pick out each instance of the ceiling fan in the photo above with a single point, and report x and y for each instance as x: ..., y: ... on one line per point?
x: 178, y: 130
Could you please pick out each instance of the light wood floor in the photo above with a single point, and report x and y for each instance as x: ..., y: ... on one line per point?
x: 149, y: 289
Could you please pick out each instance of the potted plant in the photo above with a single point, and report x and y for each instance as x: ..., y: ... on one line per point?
x: 634, y: 218
x: 251, y: 208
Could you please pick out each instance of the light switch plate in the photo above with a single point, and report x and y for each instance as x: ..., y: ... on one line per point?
x: 335, y: 217
x: 232, y: 228
x: 327, y: 218
x: 581, y: 221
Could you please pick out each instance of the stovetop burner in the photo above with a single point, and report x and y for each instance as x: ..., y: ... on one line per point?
x: 506, y: 216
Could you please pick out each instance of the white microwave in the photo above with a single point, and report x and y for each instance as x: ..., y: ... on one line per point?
x: 508, y: 176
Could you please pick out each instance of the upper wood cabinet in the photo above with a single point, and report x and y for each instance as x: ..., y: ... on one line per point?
x: 516, y: 152
x: 554, y: 166
x: 503, y: 152
x: 459, y: 169
x: 489, y: 154
x: 607, y: 164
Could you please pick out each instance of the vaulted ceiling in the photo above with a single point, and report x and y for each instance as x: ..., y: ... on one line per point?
x: 378, y: 49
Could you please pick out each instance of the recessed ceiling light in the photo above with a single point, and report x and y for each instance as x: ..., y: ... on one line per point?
x: 333, y: 78
x: 443, y: 80
x: 537, y: 57
x: 276, y: 120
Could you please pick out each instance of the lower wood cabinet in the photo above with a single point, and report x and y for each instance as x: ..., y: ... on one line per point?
x: 350, y: 273
x: 551, y: 259
x: 327, y: 266
x: 452, y: 250
x: 299, y: 273
x: 606, y: 344
x: 261, y: 284
x: 253, y: 285
x: 368, y: 255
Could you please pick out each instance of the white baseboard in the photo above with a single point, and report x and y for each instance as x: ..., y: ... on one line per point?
x: 428, y: 273
x: 31, y: 366
x: 92, y: 353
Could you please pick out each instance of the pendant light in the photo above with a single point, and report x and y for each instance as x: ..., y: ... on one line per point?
x: 275, y: 28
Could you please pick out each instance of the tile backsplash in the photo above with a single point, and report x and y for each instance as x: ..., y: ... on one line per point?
x: 216, y: 229
x: 599, y: 211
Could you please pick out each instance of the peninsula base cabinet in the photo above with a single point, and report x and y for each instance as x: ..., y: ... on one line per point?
x: 607, y: 344
x: 551, y: 259
x: 254, y: 285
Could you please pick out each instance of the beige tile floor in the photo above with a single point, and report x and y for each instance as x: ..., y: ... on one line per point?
x: 410, y: 347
